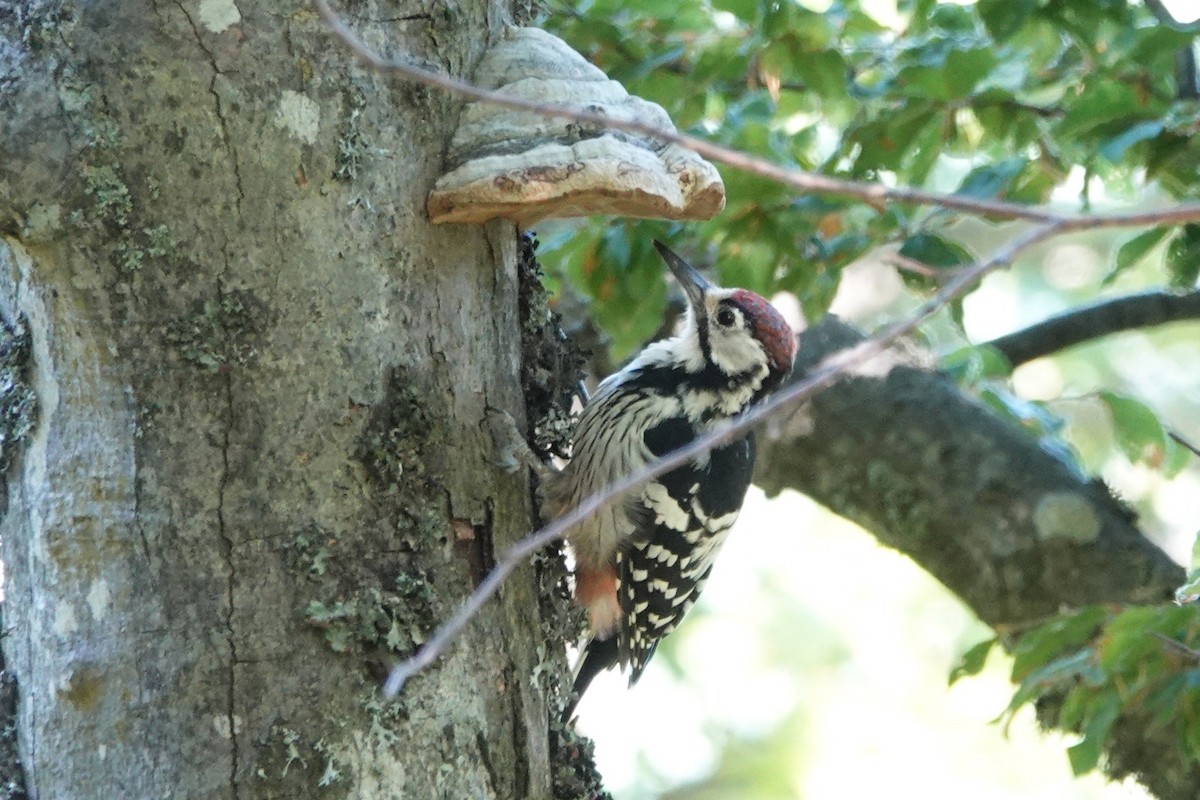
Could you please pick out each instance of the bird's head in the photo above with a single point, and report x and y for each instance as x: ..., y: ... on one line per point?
x: 737, y: 332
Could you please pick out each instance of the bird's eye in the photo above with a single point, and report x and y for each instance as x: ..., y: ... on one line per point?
x: 726, y: 317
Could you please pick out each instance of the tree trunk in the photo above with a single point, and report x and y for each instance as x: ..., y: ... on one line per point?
x: 257, y: 473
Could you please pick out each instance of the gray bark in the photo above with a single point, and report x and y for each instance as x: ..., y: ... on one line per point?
x: 257, y: 472
x: 1016, y: 532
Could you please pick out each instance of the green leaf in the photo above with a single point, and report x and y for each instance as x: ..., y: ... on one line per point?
x: 1035, y: 416
x: 1040, y: 645
x: 1134, y: 250
x: 1183, y: 256
x: 1139, y: 433
x: 1102, y: 104
x: 1099, y: 717
x: 1114, y: 149
x: 972, y: 661
x: 1162, y: 702
x: 1035, y: 183
x: 1127, y: 648
x: 1069, y: 668
x: 886, y: 142
x: 1074, y: 706
x: 967, y: 68
x: 934, y: 251
x: 1190, y: 591
x: 970, y: 365
x: 1003, y: 18
x: 822, y: 72
x: 927, y: 147
x: 992, y: 180
x: 1191, y: 737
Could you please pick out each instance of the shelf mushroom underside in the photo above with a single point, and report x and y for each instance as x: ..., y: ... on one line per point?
x: 526, y: 166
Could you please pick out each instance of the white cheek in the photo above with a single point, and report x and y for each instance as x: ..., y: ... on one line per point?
x: 736, y: 350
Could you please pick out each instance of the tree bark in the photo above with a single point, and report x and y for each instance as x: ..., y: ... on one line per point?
x: 257, y: 472
x: 1011, y: 528
x: 1015, y: 531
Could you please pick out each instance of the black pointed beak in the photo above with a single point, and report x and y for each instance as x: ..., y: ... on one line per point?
x: 695, y: 286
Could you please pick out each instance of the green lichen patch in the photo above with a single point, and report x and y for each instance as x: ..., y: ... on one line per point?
x: 109, y: 194
x: 18, y: 403
x: 136, y: 247
x: 220, y: 332
x: 401, y: 435
x: 296, y: 766
x: 395, y: 618
x: 309, y: 552
x: 84, y: 689
x: 38, y: 24
x: 384, y: 605
x: 573, y: 765
x: 12, y: 774
x: 351, y: 143
x: 113, y: 201
x: 551, y: 366
x: 551, y: 370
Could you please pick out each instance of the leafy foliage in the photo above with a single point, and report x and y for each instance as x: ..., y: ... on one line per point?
x: 1015, y: 94
x: 1026, y: 101
x: 1106, y: 662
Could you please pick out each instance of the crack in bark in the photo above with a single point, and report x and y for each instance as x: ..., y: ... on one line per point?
x: 138, y: 525
x: 405, y: 18
x: 227, y: 552
x: 485, y: 758
x: 520, y: 733
x: 227, y: 431
x: 219, y: 108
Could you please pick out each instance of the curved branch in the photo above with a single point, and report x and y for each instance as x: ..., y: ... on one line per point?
x: 1159, y: 9
x: 1017, y: 533
x: 1079, y: 325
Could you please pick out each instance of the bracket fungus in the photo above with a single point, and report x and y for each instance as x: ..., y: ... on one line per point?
x: 526, y: 167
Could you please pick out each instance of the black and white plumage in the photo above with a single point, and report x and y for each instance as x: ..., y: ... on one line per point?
x: 641, y: 564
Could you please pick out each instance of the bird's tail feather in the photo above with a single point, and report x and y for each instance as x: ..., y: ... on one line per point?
x: 599, y: 655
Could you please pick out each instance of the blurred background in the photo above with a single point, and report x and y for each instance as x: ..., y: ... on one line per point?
x: 816, y: 663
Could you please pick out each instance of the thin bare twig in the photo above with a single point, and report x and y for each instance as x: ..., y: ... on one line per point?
x: 1184, y: 443
x: 1177, y: 646
x: 872, y: 193
x: 912, y: 265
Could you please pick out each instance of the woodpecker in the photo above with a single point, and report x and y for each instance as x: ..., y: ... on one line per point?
x: 640, y: 565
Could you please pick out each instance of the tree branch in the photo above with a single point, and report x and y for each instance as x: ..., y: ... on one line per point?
x: 1010, y: 528
x: 1159, y: 10
x: 1083, y: 324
